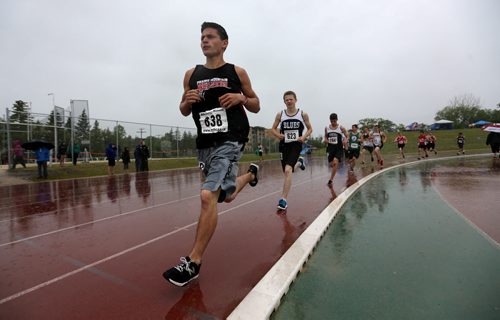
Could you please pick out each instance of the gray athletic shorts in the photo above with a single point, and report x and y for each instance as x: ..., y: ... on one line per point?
x: 220, y: 166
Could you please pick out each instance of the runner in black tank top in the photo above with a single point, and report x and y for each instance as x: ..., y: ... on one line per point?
x: 214, y: 123
x: 216, y: 94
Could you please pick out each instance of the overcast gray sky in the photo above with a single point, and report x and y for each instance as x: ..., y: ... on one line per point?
x: 397, y: 60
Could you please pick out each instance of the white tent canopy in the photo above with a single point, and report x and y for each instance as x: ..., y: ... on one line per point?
x: 443, y: 121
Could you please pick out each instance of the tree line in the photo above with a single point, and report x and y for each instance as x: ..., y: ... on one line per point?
x: 24, y: 126
x: 462, y: 110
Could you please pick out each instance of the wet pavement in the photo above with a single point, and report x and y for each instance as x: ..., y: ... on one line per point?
x: 415, y: 242
x: 96, y: 247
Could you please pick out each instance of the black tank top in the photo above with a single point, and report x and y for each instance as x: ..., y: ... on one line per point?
x: 215, y: 124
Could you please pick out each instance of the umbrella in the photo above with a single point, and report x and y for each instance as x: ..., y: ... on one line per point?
x: 37, y: 144
x: 493, y: 128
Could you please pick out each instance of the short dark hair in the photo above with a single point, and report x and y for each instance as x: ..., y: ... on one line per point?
x: 220, y: 29
x: 333, y: 116
x: 289, y: 93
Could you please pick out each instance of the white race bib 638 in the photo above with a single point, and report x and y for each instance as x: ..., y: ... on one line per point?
x: 213, y: 121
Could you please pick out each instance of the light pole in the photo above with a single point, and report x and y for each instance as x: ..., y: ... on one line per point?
x: 55, y: 123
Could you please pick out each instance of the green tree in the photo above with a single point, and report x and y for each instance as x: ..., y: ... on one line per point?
x: 19, y: 112
x: 96, y: 138
x: 382, y: 123
x: 82, y: 128
x: 462, y: 110
x: 20, y: 121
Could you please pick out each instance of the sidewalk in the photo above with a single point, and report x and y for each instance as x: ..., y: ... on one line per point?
x: 7, y: 179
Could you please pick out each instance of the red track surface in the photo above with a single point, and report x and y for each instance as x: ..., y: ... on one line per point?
x: 96, y: 248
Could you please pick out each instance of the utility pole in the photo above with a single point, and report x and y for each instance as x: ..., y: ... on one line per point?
x: 141, y: 131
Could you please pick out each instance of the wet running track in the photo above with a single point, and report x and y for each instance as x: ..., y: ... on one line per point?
x: 96, y: 248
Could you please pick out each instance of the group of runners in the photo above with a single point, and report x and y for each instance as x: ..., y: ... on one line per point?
x: 217, y: 95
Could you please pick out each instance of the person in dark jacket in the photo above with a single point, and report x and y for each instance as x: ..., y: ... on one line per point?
x: 493, y: 140
x: 61, y: 153
x: 111, y: 156
x: 137, y: 157
x: 144, y: 157
x: 42, y: 156
x: 19, y: 155
x: 125, y: 158
x: 75, y: 150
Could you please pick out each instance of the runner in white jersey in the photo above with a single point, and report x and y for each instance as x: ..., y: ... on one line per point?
x: 292, y: 127
x: 335, y: 144
x: 367, y: 142
x: 379, y: 138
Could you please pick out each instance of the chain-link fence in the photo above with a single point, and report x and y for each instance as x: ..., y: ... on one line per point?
x: 91, y: 136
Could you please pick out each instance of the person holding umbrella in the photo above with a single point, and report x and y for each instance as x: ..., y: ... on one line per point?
x: 42, y: 156
x: 493, y: 140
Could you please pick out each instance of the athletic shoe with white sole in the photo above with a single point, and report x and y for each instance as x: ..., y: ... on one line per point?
x: 282, y: 205
x: 183, y: 273
x: 302, y: 165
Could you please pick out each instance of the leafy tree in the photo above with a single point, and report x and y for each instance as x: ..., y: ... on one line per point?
x: 316, y: 142
x: 465, y: 110
x: 371, y: 122
x: 462, y: 110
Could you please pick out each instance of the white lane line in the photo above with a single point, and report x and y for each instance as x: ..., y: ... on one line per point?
x: 88, y: 266
x: 95, y: 221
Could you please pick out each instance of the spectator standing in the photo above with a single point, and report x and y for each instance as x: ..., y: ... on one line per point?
x: 137, y: 157
x: 111, y: 156
x: 125, y: 158
x: 493, y: 140
x: 19, y: 155
x: 75, y: 150
x: 260, y: 151
x: 42, y: 155
x: 62, y: 150
x: 460, y: 143
x: 144, y: 153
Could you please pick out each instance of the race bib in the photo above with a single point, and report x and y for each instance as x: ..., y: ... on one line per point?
x: 291, y: 135
x: 354, y: 146
x: 213, y: 121
x: 333, y: 139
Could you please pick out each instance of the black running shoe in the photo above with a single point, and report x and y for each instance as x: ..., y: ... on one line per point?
x: 255, y: 170
x: 183, y: 273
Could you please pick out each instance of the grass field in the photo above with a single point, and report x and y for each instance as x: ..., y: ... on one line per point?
x: 445, y: 145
